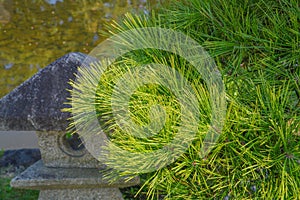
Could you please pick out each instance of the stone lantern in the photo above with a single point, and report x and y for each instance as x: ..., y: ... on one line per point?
x: 67, y: 170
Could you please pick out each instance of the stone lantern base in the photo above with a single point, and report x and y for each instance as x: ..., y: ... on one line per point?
x: 70, y: 183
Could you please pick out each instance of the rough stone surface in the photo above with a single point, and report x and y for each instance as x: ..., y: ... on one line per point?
x: 20, y: 157
x: 36, y: 104
x: 40, y: 177
x: 56, y: 153
x: 82, y: 194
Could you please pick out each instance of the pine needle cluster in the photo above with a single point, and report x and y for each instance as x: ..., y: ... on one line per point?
x: 256, y: 47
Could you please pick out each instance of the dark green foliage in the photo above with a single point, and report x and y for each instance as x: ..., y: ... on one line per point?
x: 9, y: 193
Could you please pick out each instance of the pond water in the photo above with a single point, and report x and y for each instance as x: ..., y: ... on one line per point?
x: 34, y: 33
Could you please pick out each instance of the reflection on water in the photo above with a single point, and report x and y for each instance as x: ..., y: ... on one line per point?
x: 4, y: 14
x: 33, y: 33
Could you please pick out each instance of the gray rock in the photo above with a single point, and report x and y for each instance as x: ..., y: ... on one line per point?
x: 20, y: 157
x: 36, y: 104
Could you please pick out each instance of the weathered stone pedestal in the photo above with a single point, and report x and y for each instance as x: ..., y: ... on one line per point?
x: 69, y: 183
x: 67, y: 170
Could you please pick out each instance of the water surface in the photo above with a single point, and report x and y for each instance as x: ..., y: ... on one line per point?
x: 34, y: 33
